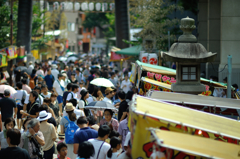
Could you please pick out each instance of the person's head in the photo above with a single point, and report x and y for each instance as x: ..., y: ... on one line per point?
x: 71, y: 67
x: 60, y: 76
x: 104, y: 131
x: 24, y: 81
x: 114, y: 90
x: 115, y: 143
x: 62, y: 149
x: 25, y: 123
x: 77, y: 70
x: 82, y: 122
x: 49, y: 72
x: 84, y: 94
x: 9, y: 123
x: 95, y: 93
x: 235, y: 86
x: 34, y: 71
x: 69, y: 108
x: 91, y: 89
x: 129, y: 95
x: 13, y: 137
x: 81, y: 84
x: 86, y: 150
x: 75, y: 88
x: 47, y: 101
x: 37, y: 89
x: 91, y: 72
x: 112, y: 74
x: 19, y: 85
x: 73, y: 75
x: 126, y: 77
x: 91, y: 120
x: 69, y: 86
x: 43, y: 107
x: 225, y: 80
x: 109, y: 92
x: 64, y: 76
x: 108, y: 113
x: 33, y: 96
x: 34, y: 124
x: 73, y: 101
x: 44, y: 88
x: 113, y: 133
x: 53, y: 97
x: 97, y: 74
x: 121, y: 95
x: 6, y: 93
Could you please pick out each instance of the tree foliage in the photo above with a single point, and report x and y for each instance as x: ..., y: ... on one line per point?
x: 154, y: 15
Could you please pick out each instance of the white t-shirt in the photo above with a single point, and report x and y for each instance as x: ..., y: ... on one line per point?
x: 127, y: 84
x: 218, y: 92
x: 114, y: 155
x: 123, y: 156
x: 27, y: 99
x: 105, y: 99
x: 55, y: 73
x: 47, y: 96
x: 58, y: 88
x: 72, y: 95
x: 103, y: 151
x: 81, y: 104
x: 18, y: 96
x: 78, y: 113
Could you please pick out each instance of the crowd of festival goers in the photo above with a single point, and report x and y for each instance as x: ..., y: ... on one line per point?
x: 47, y: 115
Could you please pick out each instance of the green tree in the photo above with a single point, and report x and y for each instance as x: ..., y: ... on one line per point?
x: 5, y: 13
x: 154, y: 16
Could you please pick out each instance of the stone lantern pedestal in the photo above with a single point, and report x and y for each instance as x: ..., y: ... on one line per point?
x: 188, y: 55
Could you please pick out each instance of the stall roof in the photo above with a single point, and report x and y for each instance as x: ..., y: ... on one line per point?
x: 161, y: 84
x: 169, y: 71
x: 188, y: 117
x: 195, y: 99
x: 195, y: 145
x: 131, y: 51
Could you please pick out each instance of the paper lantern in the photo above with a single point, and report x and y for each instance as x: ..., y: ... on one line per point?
x: 47, y: 6
x: 104, y: 7
x: 98, y: 6
x: 91, y: 6
x: 55, y: 6
x: 144, y: 58
x: 63, y: 5
x: 153, y: 59
x: 69, y: 6
x: 84, y: 6
x: 77, y: 6
x: 112, y: 6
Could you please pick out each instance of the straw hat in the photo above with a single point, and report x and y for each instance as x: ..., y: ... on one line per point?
x: 43, y: 115
x: 108, y: 90
x: 69, y: 107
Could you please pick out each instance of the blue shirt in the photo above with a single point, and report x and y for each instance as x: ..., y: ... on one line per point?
x: 84, y: 134
x: 49, y: 81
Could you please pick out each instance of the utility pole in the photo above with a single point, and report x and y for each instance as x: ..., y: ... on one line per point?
x: 11, y: 41
x: 229, y: 79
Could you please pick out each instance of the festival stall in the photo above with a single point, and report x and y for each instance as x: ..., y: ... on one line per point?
x: 146, y: 113
x: 221, y: 106
x: 165, y: 144
x: 165, y: 75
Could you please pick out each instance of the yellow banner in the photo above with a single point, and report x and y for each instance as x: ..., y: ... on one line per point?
x: 142, y: 143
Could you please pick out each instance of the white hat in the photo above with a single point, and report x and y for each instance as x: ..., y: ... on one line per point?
x: 43, y: 115
x: 54, y: 66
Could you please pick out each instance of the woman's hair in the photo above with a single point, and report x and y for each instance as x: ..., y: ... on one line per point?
x: 114, y: 142
x: 86, y: 150
x: 60, y: 146
x: 95, y: 92
x: 72, y: 115
x: 32, y: 123
x: 113, y: 133
x: 54, y: 94
x: 43, y: 107
x: 129, y: 95
x: 109, y: 110
x: 9, y: 120
x: 14, y: 135
x: 28, y: 119
x: 47, y: 100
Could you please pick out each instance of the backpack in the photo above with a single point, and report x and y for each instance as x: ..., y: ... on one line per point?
x: 71, y: 129
x: 32, y: 82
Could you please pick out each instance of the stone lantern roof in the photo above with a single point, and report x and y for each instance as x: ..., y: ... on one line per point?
x: 187, y: 49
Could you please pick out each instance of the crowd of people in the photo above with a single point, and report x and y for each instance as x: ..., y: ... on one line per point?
x: 47, y: 115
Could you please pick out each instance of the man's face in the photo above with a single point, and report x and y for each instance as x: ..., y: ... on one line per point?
x: 63, y: 152
x: 31, y: 98
x: 37, y: 90
x: 44, y: 90
x: 49, y: 72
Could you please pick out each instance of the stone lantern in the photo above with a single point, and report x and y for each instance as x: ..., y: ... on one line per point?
x: 188, y: 55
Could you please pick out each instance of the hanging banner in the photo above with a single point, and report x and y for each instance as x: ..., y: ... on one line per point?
x: 11, y: 52
x: 3, y: 60
x: 35, y: 54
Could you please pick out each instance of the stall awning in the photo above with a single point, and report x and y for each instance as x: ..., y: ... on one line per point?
x: 169, y: 71
x: 131, y: 51
x: 188, y: 117
x: 161, y: 84
x: 181, y: 98
x: 198, y: 146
